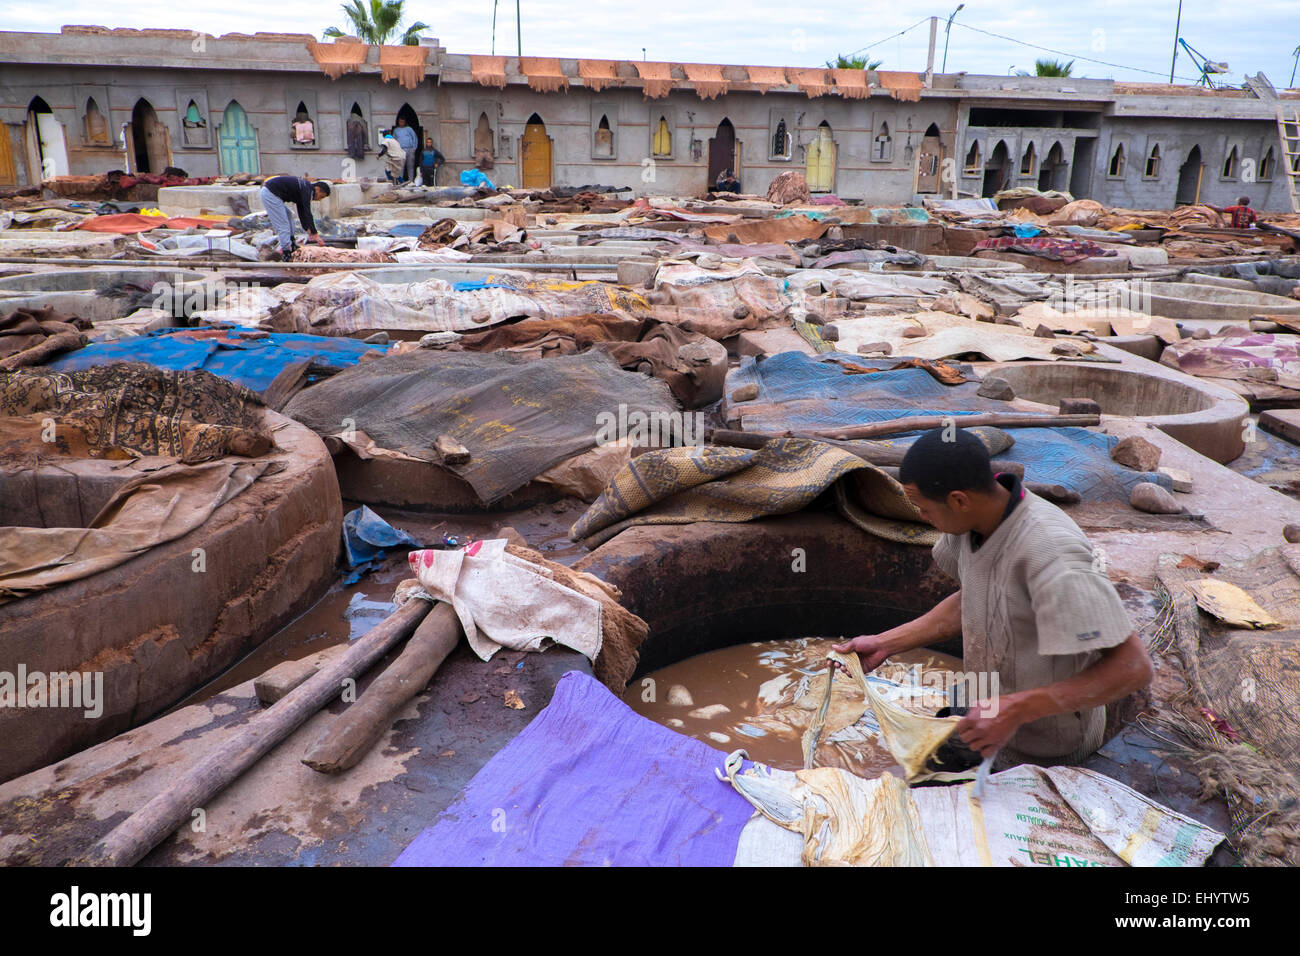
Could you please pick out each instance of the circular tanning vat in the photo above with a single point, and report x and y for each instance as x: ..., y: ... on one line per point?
x: 1203, y: 416
x: 101, y: 295
x: 155, y: 626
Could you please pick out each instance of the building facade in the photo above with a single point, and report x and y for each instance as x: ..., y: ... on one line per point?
x: 89, y: 100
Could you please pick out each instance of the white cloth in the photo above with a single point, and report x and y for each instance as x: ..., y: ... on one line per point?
x: 505, y: 601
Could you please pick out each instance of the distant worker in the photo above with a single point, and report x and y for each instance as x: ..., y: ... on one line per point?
x: 1034, y: 607
x: 430, y: 160
x: 390, y: 150
x: 280, y: 190
x: 727, y: 182
x: 410, y: 143
x: 1243, y: 217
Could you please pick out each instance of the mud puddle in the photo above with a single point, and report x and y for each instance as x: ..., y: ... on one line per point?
x: 760, y: 697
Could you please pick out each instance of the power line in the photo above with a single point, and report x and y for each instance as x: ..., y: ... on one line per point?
x: 898, y: 34
x: 1073, y: 56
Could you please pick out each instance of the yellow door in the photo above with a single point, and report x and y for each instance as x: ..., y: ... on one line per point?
x: 8, y: 172
x: 820, y: 166
x: 535, y: 156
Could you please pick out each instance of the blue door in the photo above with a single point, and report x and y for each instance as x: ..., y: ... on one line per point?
x: 238, y: 142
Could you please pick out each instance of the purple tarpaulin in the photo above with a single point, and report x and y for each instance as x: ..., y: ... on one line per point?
x: 589, y: 782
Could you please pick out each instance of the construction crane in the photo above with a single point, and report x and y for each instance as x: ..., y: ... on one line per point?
x: 1207, y: 67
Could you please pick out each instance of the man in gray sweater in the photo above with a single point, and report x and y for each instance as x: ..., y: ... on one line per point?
x: 1034, y: 607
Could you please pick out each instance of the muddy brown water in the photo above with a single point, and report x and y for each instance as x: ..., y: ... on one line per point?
x: 732, y: 677
x: 348, y: 611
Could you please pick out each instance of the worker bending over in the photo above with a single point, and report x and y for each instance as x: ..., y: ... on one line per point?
x: 1033, y: 606
x: 279, y: 190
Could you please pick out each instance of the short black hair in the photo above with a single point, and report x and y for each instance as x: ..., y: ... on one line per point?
x: 1243, y: 200
x: 322, y: 186
x: 945, y: 460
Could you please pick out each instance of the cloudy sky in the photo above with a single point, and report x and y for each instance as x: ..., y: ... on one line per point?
x: 1135, y: 40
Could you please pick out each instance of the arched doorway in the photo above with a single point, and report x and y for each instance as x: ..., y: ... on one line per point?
x: 535, y: 155
x: 997, y: 172
x: 148, y: 143
x: 413, y: 121
x: 929, y: 161
x: 722, y: 153
x: 484, y: 149
x: 1052, y: 173
x: 47, y: 151
x: 819, y: 168
x: 237, y: 142
x: 1189, y: 179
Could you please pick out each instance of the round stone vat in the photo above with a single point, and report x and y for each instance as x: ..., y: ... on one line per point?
x: 1203, y: 416
x: 1213, y: 306
x: 158, y: 625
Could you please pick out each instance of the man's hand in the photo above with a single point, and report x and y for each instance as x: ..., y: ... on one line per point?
x: 870, y: 648
x: 989, y: 725
x: 314, y: 237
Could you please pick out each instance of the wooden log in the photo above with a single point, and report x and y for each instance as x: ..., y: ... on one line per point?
x: 898, y: 426
x: 139, y: 833
x: 350, y: 737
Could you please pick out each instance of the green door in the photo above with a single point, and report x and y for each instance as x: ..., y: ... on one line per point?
x: 238, y: 142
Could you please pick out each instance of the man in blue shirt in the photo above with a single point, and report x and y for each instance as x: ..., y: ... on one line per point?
x: 407, y: 139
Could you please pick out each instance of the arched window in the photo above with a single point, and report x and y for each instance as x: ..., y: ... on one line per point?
x: 194, y: 126
x: 96, y: 125
x: 302, y: 129
x: 604, y: 145
x: 1028, y: 161
x: 484, y: 149
x: 1266, y: 165
x: 882, y: 147
x: 1153, y: 162
x: 781, y: 141
x: 1230, y: 163
x: 974, y: 161
x: 1116, y: 162
x: 663, y: 142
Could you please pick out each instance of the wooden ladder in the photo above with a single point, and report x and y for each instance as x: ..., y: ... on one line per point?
x: 1288, y: 131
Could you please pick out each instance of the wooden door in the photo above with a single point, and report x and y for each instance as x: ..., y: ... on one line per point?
x: 237, y: 142
x: 535, y: 157
x: 929, y: 163
x: 819, y: 168
x: 8, y: 171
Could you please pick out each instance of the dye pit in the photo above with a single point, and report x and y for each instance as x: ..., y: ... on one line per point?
x: 743, y: 697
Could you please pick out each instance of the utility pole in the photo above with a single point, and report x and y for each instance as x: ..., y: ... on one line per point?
x: 947, y: 30
x: 519, y: 30
x: 1178, y: 25
x: 494, y: 27
x: 1295, y: 53
x: 929, y: 59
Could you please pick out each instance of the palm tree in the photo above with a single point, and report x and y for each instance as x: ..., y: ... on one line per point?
x: 378, y: 24
x: 1049, y: 68
x: 842, y: 62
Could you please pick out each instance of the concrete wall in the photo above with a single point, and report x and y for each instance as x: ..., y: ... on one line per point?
x: 269, y: 74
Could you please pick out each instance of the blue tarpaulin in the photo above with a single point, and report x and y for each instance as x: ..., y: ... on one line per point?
x: 244, y: 356
x: 366, y: 536
x: 475, y: 178
x: 590, y: 782
x: 806, y: 394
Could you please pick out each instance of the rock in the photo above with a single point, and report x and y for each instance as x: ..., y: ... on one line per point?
x: 435, y: 339
x: 1006, y: 320
x: 645, y: 368
x: 1079, y: 406
x: 379, y: 338
x: 996, y: 387
x: 1201, y: 334
x: 1182, y: 480
x: 511, y: 535
x: 740, y: 312
x: 830, y: 333
x: 813, y: 318
x: 551, y: 220
x: 720, y: 738
x: 1043, y: 332
x: 709, y: 712
x: 450, y: 451
x: 915, y: 332
x: 879, y: 347
x: 693, y: 352
x: 835, y: 233
x: 1292, y: 533
x: 1153, y: 499
x: 675, y: 722
x: 1137, y: 453
x: 559, y: 507
x: 746, y: 393
x: 679, y: 696
x: 1066, y: 348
